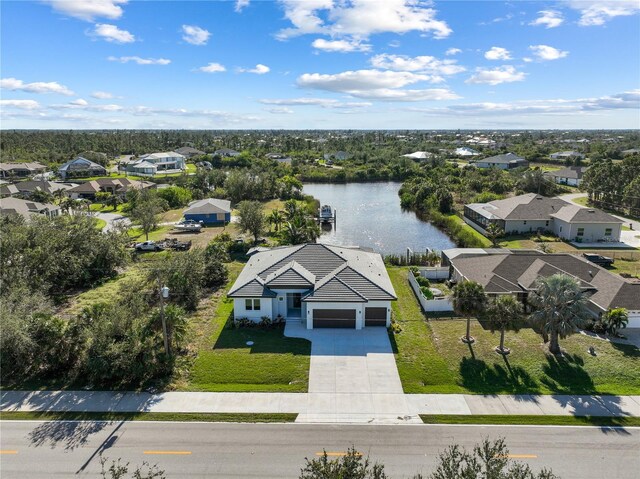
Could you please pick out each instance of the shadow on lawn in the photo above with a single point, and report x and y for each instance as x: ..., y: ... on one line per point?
x: 478, y: 376
x: 265, y: 340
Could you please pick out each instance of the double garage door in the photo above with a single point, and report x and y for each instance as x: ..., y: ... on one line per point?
x: 346, y: 318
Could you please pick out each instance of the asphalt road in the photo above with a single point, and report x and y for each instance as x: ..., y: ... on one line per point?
x: 72, y: 449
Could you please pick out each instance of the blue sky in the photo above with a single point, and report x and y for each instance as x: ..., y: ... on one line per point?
x: 370, y: 64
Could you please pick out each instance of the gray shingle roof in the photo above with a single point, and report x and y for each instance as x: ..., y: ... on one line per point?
x: 573, y: 172
x: 579, y: 214
x: 314, y: 266
x: 503, y: 159
x: 523, y: 207
x: 209, y: 206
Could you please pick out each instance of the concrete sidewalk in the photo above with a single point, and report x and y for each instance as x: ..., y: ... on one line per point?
x: 322, y: 407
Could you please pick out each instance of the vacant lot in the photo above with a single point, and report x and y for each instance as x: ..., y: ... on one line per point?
x: 431, y: 358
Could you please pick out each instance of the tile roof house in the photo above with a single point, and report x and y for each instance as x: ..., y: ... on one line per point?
x: 115, y: 186
x: 515, y: 272
x: 210, y: 211
x: 188, y: 151
x: 21, y: 170
x: 418, y: 155
x: 507, y: 161
x: 321, y: 285
x: 81, y: 167
x: 532, y: 213
x: 27, y: 208
x: 571, y: 175
x: 153, y: 163
x: 26, y: 188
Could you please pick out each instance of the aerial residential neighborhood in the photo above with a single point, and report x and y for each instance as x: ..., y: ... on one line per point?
x: 320, y: 239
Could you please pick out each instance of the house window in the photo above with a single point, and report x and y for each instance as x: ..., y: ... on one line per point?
x: 580, y: 231
x: 524, y: 222
x: 608, y: 231
x: 252, y: 304
x: 546, y: 223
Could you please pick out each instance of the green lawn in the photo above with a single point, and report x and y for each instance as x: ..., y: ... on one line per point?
x: 147, y: 416
x: 483, y: 239
x: 100, y: 223
x: 100, y: 208
x: 532, y: 420
x: 159, y: 233
x: 224, y: 362
x: 432, y: 359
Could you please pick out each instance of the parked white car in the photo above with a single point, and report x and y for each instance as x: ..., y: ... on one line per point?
x: 148, y: 246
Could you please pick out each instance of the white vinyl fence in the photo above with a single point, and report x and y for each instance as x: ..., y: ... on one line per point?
x: 435, y: 272
x: 435, y: 304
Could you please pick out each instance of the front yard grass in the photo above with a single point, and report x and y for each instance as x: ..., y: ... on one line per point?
x: 541, y: 420
x: 225, y: 362
x: 432, y: 359
x: 148, y: 416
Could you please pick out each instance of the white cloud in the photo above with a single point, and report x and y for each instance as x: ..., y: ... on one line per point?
x: 280, y: 110
x: 394, y: 43
x: 375, y: 84
x: 453, y: 51
x: 195, y: 35
x: 545, y: 52
x: 21, y: 104
x: 361, y: 18
x: 495, y: 76
x: 497, y: 53
x: 213, y: 115
x: 102, y: 95
x: 112, y: 33
x: 548, y: 19
x: 259, y: 69
x: 88, y: 10
x: 342, y: 46
x: 307, y: 101
x: 423, y: 64
x: 212, y: 68
x: 594, y: 12
x: 241, y: 5
x: 140, y: 61
x: 79, y: 102
x: 36, y: 87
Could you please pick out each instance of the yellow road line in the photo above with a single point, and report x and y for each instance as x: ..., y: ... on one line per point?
x: 8, y: 452
x: 335, y: 454
x: 178, y: 453
x: 520, y: 456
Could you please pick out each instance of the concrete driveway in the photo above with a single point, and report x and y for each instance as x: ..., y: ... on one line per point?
x: 352, y: 377
x: 112, y: 219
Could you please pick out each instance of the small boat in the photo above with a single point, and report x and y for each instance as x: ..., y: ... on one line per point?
x: 189, y: 225
x: 326, y: 213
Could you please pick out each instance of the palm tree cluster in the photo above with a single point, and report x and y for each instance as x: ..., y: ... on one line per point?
x: 294, y: 224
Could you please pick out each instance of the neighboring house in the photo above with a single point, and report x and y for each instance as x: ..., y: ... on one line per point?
x: 80, y: 167
x: 27, y: 188
x: 115, y: 186
x: 280, y: 158
x: 532, y: 213
x: 566, y: 155
x: 419, y: 155
x: 154, y: 163
x: 337, y: 155
x: 320, y: 285
x: 507, y: 161
x: 27, y: 208
x: 515, y: 272
x: 571, y: 175
x: 21, y: 170
x: 189, y: 152
x: 210, y: 211
x: 632, y: 151
x: 226, y: 152
x: 465, y: 151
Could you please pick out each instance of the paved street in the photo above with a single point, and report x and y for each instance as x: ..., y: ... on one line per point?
x: 112, y: 219
x: 33, y: 449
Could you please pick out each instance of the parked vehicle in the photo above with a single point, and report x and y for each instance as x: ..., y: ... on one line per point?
x: 175, y: 244
x: 598, y: 259
x: 189, y: 225
x: 148, y: 246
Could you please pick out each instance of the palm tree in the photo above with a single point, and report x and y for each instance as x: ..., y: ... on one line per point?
x: 276, y: 219
x: 615, y: 319
x: 504, y: 313
x: 559, y: 308
x: 292, y: 209
x: 469, y: 299
x: 494, y: 232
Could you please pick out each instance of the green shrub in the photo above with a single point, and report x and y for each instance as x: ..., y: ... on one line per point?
x: 422, y: 281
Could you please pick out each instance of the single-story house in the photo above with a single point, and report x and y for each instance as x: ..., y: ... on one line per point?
x: 515, y: 272
x: 337, y: 155
x: 189, y: 152
x: 226, y: 152
x: 115, y: 186
x: 632, y: 151
x: 507, y: 161
x: 465, y: 151
x: 531, y: 213
x: 210, y: 211
x: 566, y: 155
x: 153, y: 163
x: 418, y: 155
x: 571, y: 175
x: 27, y: 208
x: 279, y: 157
x: 320, y: 285
x: 27, y: 188
x: 81, y: 167
x: 21, y: 170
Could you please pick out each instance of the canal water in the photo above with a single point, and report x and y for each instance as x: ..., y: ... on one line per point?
x: 369, y: 215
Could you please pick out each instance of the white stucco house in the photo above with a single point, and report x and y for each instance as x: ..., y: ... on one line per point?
x: 571, y: 175
x: 322, y: 286
x: 153, y: 163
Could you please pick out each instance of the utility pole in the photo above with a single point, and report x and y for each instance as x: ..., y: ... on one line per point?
x: 164, y: 293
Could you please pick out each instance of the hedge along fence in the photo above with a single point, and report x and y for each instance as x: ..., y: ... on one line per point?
x: 428, y: 305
